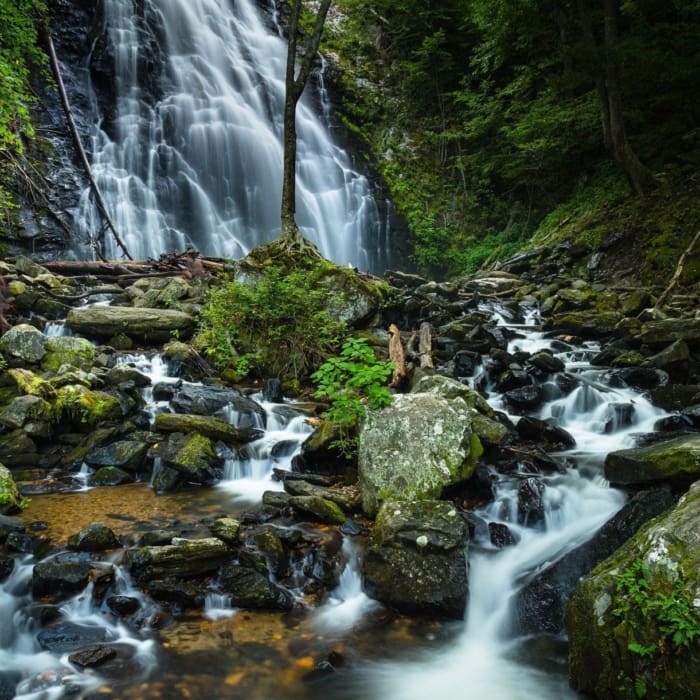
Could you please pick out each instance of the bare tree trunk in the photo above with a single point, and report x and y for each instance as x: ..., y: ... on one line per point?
x: 294, y: 86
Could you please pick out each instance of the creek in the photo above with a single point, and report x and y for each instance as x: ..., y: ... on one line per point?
x: 370, y: 652
x: 190, y: 154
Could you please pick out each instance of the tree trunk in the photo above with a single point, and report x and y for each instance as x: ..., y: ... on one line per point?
x: 640, y: 176
x: 607, y: 83
x: 290, y: 235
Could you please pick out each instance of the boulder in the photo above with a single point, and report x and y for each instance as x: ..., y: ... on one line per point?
x: 60, y: 579
x: 213, y: 428
x: 659, y: 334
x: 24, y: 342
x: 11, y: 501
x: 539, y: 605
x: 69, y: 636
x: 24, y: 409
x: 192, y: 456
x: 181, y: 558
x: 110, y: 476
x: 206, y: 400
x: 147, y: 324
x: 415, y: 448
x: 17, y: 449
x: 128, y: 455
x: 68, y: 350
x: 96, y: 537
x: 226, y: 529
x: 587, y: 324
x: 416, y: 558
x: 85, y: 407
x: 676, y: 461
x: 249, y: 588
x: 633, y: 622
x: 318, y: 508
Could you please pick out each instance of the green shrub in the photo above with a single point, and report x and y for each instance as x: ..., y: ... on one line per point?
x: 274, y: 325
x: 351, y: 381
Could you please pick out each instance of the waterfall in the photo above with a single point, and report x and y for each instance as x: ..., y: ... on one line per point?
x: 192, y: 155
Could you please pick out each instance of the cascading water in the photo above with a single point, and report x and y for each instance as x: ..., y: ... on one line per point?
x: 194, y: 154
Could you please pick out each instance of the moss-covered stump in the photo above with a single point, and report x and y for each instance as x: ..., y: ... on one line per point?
x: 416, y: 559
x: 415, y: 448
x: 676, y: 461
x: 634, y: 621
x: 213, y: 428
x: 181, y: 558
x: 11, y: 501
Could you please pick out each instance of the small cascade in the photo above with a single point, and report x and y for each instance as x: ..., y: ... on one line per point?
x: 193, y: 154
x: 347, y: 604
x: 247, y: 474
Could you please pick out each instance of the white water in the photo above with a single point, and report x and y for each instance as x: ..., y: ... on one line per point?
x: 201, y: 164
x: 488, y: 660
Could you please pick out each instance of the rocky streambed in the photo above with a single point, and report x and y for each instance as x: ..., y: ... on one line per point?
x: 186, y: 533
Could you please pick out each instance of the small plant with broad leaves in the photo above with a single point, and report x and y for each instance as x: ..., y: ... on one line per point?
x: 352, y: 381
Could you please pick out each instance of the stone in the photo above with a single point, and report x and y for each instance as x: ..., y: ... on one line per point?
x: 501, y: 535
x: 676, y: 461
x: 416, y: 559
x: 84, y: 407
x: 659, y: 334
x: 448, y: 388
x: 546, y: 362
x: 213, y: 428
x: 17, y: 449
x: 604, y: 617
x: 60, y: 579
x: 24, y: 409
x: 209, y: 400
x: 181, y: 558
x: 11, y: 501
x: 415, y: 448
x: 96, y: 537
x: 92, y: 656
x: 531, y: 502
x: 540, y: 431
x: 69, y: 636
x: 110, y: 476
x: 68, y: 350
x: 300, y: 487
x: 146, y: 324
x: 24, y: 342
x: 250, y: 589
x: 587, y: 324
x: 226, y: 529
x: 128, y: 455
x: 192, y: 456
x: 319, y: 509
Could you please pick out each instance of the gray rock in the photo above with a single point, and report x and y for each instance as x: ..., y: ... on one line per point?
x: 96, y: 537
x: 416, y: 558
x: 249, y: 588
x: 415, y: 448
x: 24, y: 342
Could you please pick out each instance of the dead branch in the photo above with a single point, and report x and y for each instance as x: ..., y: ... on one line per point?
x: 397, y: 356
x: 679, y: 271
x: 425, y: 346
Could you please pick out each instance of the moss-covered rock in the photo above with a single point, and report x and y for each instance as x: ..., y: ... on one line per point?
x: 110, y: 476
x: 24, y: 342
x: 96, y: 537
x: 634, y: 621
x: 657, y: 334
x: 11, y: 501
x: 68, y: 350
x: 415, y: 448
x: 84, y: 407
x: 226, y: 529
x: 192, y: 456
x: 129, y: 455
x: 17, y: 449
x: 676, y: 461
x: 24, y: 409
x: 587, y: 324
x: 320, y: 509
x: 416, y: 558
x: 213, y: 428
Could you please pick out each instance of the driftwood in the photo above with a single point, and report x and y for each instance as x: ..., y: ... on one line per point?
x: 397, y: 356
x: 56, y: 70
x: 679, y: 271
x: 188, y: 264
x: 425, y: 346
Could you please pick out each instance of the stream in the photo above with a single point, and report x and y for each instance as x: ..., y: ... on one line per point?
x: 370, y: 652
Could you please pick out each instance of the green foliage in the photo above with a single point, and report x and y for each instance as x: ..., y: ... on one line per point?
x: 663, y: 605
x: 484, y: 116
x: 351, y: 381
x: 276, y: 325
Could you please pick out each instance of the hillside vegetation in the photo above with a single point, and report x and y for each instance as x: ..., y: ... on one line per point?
x: 491, y: 121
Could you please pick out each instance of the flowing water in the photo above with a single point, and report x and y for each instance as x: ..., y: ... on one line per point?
x: 266, y: 656
x: 192, y: 156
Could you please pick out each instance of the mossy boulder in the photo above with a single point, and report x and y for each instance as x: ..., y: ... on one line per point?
x: 128, y: 455
x: 192, y: 456
x: 165, y: 293
x: 448, y: 388
x: 183, y: 557
x: 110, y: 476
x: 17, y: 449
x: 416, y: 558
x: 658, y: 334
x: 632, y: 620
x: 68, y: 350
x: 84, y: 407
x: 415, y: 448
x: 587, y: 324
x: 11, y: 501
x: 320, y: 509
x: 213, y: 428
x: 226, y: 529
x: 24, y: 342
x: 250, y: 589
x: 23, y: 410
x: 676, y: 461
